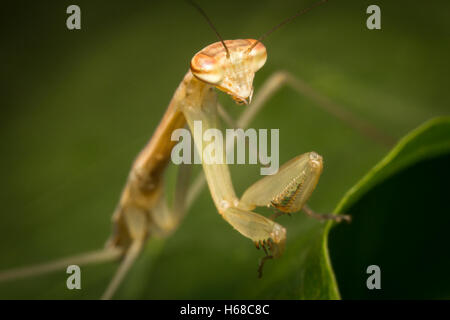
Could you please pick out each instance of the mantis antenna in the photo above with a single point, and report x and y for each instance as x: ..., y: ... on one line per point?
x: 203, y: 13
x: 299, y: 13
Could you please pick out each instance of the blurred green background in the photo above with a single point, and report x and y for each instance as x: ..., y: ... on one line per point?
x: 77, y: 106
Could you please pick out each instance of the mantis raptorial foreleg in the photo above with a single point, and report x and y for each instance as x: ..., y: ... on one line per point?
x: 288, y: 190
x: 256, y: 227
x: 259, y: 191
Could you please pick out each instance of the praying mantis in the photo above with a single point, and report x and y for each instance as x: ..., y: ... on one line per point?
x: 142, y: 212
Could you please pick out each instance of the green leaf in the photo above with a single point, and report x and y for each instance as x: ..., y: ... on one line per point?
x: 427, y: 141
x: 400, y: 221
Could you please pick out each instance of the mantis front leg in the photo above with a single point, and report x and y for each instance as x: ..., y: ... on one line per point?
x: 252, y: 225
x: 287, y: 190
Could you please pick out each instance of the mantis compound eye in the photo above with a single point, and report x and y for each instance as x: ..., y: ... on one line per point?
x: 257, y: 54
x: 207, y: 69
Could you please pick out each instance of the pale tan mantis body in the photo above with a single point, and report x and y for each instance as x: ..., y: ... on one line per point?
x: 142, y: 212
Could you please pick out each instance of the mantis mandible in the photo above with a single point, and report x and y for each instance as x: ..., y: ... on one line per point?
x: 142, y: 212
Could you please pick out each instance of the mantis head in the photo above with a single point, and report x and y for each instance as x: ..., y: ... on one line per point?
x: 230, y: 66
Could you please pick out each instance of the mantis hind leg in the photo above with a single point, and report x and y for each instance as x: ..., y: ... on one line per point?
x: 99, y: 256
x: 281, y: 78
x: 128, y: 261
